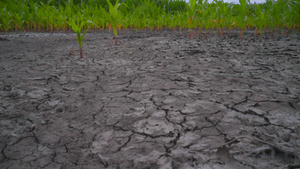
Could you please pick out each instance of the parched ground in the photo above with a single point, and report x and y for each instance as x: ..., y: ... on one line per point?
x: 158, y: 100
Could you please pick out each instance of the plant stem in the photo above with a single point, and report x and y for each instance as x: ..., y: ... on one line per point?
x: 80, y: 50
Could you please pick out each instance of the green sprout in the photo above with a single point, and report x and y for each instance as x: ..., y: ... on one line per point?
x: 80, y: 38
x: 261, y: 19
x: 191, y: 12
x: 5, y: 20
x: 114, y: 17
x: 243, y: 15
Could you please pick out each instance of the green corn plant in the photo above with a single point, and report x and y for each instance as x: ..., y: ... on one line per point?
x: 127, y: 22
x: 275, y: 10
x: 151, y: 24
x: 191, y: 9
x: 223, y: 15
x: 181, y: 17
x: 174, y: 21
x: 51, y: 18
x: 98, y: 17
x: 212, y: 19
x: 17, y: 10
x: 77, y: 29
x: 204, y: 15
x: 242, y: 18
x: 168, y: 20
x: 260, y: 19
x: 292, y: 15
x: 5, y: 19
x: 159, y: 23
x: 114, y: 17
x: 229, y: 20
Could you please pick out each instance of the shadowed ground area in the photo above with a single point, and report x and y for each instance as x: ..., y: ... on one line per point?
x: 158, y: 100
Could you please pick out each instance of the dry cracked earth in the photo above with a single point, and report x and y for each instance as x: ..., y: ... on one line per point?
x: 158, y: 100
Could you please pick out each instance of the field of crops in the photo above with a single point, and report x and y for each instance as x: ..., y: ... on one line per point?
x: 53, y: 15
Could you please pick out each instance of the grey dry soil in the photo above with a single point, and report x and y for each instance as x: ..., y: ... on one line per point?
x: 158, y: 100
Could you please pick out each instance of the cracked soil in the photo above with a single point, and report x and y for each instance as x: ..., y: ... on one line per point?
x: 158, y: 100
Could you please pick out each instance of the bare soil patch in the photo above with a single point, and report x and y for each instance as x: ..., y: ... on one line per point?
x: 159, y: 100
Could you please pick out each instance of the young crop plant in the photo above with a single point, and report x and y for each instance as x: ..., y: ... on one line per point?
x: 229, y: 22
x: 275, y: 12
x: 191, y: 13
x: 77, y: 29
x: 260, y: 19
x: 223, y: 15
x: 242, y: 18
x: 292, y: 15
x: 114, y: 17
x: 5, y: 20
x: 205, y: 14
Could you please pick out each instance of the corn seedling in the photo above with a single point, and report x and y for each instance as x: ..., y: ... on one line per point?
x: 80, y: 37
x: 242, y: 18
x: 261, y: 19
x: 191, y: 12
x: 114, y: 17
x: 5, y: 20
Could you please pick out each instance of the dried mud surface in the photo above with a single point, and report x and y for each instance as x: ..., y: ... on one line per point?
x: 158, y: 100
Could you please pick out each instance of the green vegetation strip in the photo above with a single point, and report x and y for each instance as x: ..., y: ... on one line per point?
x: 61, y: 15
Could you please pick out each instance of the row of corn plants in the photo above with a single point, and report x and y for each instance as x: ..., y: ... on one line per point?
x: 53, y: 15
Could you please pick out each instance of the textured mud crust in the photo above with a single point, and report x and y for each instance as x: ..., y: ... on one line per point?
x: 158, y: 100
